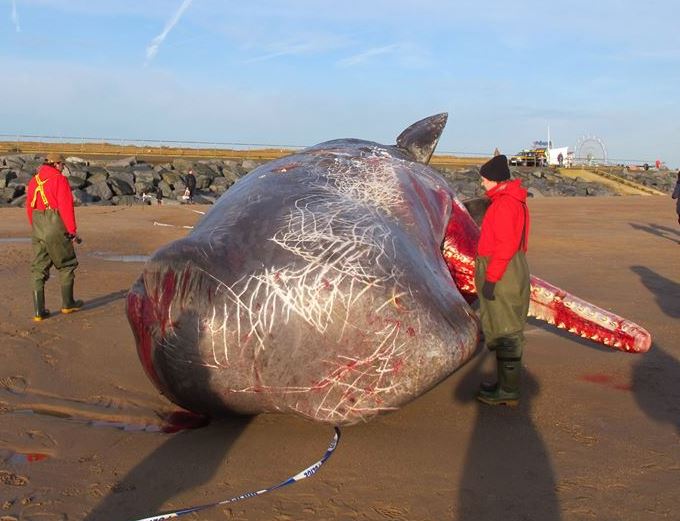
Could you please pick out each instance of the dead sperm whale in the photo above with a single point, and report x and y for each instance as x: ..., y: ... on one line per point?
x: 332, y: 283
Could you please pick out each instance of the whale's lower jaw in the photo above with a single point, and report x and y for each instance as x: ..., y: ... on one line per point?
x: 547, y: 302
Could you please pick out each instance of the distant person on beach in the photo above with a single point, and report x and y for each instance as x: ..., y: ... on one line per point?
x: 159, y: 195
x: 49, y: 206
x: 676, y: 196
x: 502, y: 279
x: 191, y: 185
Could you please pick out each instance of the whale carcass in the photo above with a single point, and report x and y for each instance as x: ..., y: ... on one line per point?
x: 333, y: 283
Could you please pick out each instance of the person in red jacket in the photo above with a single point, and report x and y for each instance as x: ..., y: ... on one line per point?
x: 49, y: 207
x: 502, y: 278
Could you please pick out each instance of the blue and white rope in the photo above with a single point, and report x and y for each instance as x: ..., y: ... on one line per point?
x: 309, y: 471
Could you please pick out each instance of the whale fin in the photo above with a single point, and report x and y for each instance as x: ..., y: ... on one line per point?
x: 421, y: 138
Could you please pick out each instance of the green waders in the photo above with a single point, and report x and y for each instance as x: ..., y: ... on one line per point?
x: 503, y: 321
x: 52, y: 247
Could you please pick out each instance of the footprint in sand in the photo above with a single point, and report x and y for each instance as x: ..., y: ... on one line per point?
x: 12, y: 479
x: 14, y: 384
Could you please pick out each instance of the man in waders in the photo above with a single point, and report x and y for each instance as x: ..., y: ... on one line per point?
x: 502, y: 278
x: 49, y: 206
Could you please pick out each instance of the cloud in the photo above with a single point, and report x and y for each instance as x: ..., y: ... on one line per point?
x: 284, y: 49
x: 367, y: 55
x: 15, y: 16
x: 155, y: 44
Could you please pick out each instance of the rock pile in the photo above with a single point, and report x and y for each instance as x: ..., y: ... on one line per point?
x: 124, y: 181
x: 539, y: 181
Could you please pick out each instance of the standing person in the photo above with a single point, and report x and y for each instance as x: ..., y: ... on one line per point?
x: 676, y: 195
x: 49, y: 206
x: 502, y: 278
x: 191, y: 185
x: 159, y: 195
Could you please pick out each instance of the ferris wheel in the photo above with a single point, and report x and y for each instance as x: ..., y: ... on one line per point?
x: 590, y: 150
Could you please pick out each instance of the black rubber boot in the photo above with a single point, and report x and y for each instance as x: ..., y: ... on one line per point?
x: 40, y: 313
x: 506, y: 392
x: 68, y: 304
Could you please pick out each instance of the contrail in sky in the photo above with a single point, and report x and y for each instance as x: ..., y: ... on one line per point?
x: 15, y: 16
x: 152, y: 49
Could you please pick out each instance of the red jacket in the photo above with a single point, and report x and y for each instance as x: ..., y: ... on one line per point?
x: 501, y: 232
x: 58, y: 194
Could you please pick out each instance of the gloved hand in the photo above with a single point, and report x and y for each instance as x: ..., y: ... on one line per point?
x: 488, y: 290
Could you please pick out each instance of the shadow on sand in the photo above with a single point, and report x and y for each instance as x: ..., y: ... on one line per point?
x: 104, y: 299
x: 656, y: 376
x: 508, y: 474
x: 666, y: 291
x: 187, y: 460
x: 660, y: 231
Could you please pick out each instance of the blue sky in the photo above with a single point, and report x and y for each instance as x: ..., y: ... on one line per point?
x: 302, y: 72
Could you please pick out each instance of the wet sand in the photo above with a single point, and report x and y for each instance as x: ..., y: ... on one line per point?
x: 597, y: 435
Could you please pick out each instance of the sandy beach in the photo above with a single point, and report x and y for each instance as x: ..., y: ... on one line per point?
x: 84, y: 435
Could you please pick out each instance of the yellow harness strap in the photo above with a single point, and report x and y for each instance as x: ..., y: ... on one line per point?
x: 40, y: 190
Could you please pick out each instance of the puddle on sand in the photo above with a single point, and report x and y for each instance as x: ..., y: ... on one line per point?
x: 14, y: 240
x: 119, y: 258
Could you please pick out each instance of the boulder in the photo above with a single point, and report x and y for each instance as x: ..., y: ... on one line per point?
x: 76, y: 169
x: 203, y: 182
x: 165, y: 188
x: 96, y: 170
x: 22, y: 178
x: 183, y: 165
x: 144, y: 187
x: 171, y: 202
x: 6, y: 176
x: 120, y: 186
x: 220, y: 185
x: 148, y: 177
x: 172, y: 178
x: 125, y: 200
x: 126, y: 177
x: 19, y: 201
x: 81, y: 197
x: 78, y: 160
x: 125, y: 162
x: 206, y: 170
x: 213, y: 164
x: 31, y: 167
x: 233, y: 169
x: 250, y: 164
x: 76, y: 182
x: 8, y: 194
x: 164, y: 166
x: 100, y: 190
x: 205, y: 199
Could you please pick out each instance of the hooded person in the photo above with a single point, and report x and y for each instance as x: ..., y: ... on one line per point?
x: 502, y: 278
x: 49, y: 207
